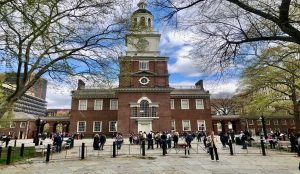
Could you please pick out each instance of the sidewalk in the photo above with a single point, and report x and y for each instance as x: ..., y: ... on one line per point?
x: 276, y: 163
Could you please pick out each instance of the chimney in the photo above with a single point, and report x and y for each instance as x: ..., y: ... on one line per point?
x: 81, y: 85
x: 199, y: 84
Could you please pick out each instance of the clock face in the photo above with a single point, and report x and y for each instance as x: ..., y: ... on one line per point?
x: 142, y: 44
x: 144, y: 80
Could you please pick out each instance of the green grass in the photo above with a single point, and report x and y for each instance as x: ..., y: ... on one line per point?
x: 29, y: 152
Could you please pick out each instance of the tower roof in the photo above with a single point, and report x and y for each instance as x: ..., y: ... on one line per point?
x: 142, y: 8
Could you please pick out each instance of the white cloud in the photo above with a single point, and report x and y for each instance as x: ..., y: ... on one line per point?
x: 58, y: 96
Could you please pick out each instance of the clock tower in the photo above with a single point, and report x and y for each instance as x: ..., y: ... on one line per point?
x: 144, y: 92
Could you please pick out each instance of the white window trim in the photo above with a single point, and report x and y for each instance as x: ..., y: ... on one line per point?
x: 198, y: 121
x: 275, y: 122
x: 196, y: 102
x: 268, y: 122
x: 23, y: 123
x: 12, y: 125
x: 79, y: 105
x: 188, y: 105
x: 250, y: 122
x: 146, y: 64
x: 173, y: 121
x: 116, y: 125
x: 189, y: 125
x: 110, y: 107
x: 101, y: 108
x: 284, y: 122
x: 78, y: 126
x: 259, y: 122
x: 172, y: 102
x: 94, y: 126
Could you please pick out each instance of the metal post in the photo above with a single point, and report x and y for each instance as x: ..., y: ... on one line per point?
x: 114, y: 149
x: 15, y: 145
x: 143, y: 148
x: 230, y: 147
x: 263, y: 147
x: 48, y: 153
x: 82, y: 150
x: 0, y: 151
x: 8, y: 159
x: 22, y: 150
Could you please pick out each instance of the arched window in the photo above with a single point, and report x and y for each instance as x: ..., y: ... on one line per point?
x: 135, y: 22
x: 149, y: 22
x: 144, y: 108
x: 143, y: 21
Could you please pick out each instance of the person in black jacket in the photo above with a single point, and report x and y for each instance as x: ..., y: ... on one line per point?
x: 175, y: 139
x: 96, y: 142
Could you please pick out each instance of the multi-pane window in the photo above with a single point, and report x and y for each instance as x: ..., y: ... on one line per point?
x: 22, y: 124
x: 199, y: 104
x: 112, y: 126
x: 259, y: 122
x: 250, y: 122
x: 173, y: 126
x: 172, y: 104
x: 283, y: 122
x: 134, y: 112
x: 97, y: 126
x: 113, y: 104
x: 81, y: 126
x: 184, y: 103
x: 267, y: 122
x: 98, y: 105
x: 153, y: 112
x: 82, y: 105
x: 12, y: 125
x: 144, y: 108
x: 292, y: 122
x: 275, y: 122
x: 186, y: 125
x: 144, y: 65
x: 201, y: 125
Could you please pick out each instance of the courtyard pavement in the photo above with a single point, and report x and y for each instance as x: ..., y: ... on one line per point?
x: 240, y: 163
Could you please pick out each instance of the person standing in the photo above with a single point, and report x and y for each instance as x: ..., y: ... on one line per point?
x: 96, y: 142
x: 175, y: 139
x: 119, y: 140
x: 150, y: 140
x: 212, y: 146
x: 102, y: 140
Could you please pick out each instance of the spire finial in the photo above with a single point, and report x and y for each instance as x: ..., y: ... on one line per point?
x: 142, y: 4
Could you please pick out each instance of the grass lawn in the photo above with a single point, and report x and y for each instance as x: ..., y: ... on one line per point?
x: 29, y: 152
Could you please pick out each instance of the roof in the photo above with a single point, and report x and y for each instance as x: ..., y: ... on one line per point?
x: 93, y: 93
x: 226, y: 117
x: 22, y: 116
x: 189, y: 92
x: 142, y: 11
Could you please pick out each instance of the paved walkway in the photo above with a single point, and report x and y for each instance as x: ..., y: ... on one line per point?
x: 242, y: 163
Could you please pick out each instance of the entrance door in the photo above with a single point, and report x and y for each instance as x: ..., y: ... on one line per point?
x: 145, y: 126
x: 21, y: 135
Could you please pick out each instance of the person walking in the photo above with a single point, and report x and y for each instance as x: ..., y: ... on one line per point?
x: 102, y: 140
x: 212, y: 146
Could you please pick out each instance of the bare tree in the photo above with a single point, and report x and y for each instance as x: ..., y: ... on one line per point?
x: 223, y: 104
x: 227, y: 31
x: 56, y: 39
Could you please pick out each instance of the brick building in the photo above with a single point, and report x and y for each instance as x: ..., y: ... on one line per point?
x: 144, y: 101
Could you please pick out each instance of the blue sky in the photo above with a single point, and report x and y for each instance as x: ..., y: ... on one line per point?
x: 183, y: 70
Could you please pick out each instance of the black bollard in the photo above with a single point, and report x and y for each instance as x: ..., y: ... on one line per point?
x: 298, y: 150
x: 15, y: 145
x: 114, y: 149
x: 0, y: 152
x: 230, y: 147
x: 22, y: 150
x: 48, y: 153
x: 143, y: 147
x: 263, y: 147
x: 164, y: 147
x: 82, y: 150
x: 8, y: 159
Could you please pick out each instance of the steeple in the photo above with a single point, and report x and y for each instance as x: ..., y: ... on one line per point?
x: 142, y: 4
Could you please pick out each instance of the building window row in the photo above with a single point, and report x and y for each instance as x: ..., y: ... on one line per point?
x: 185, y: 104
x: 98, y: 104
x: 186, y: 125
x: 97, y: 126
x: 268, y: 122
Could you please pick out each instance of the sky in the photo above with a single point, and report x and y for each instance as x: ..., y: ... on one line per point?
x: 183, y: 71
